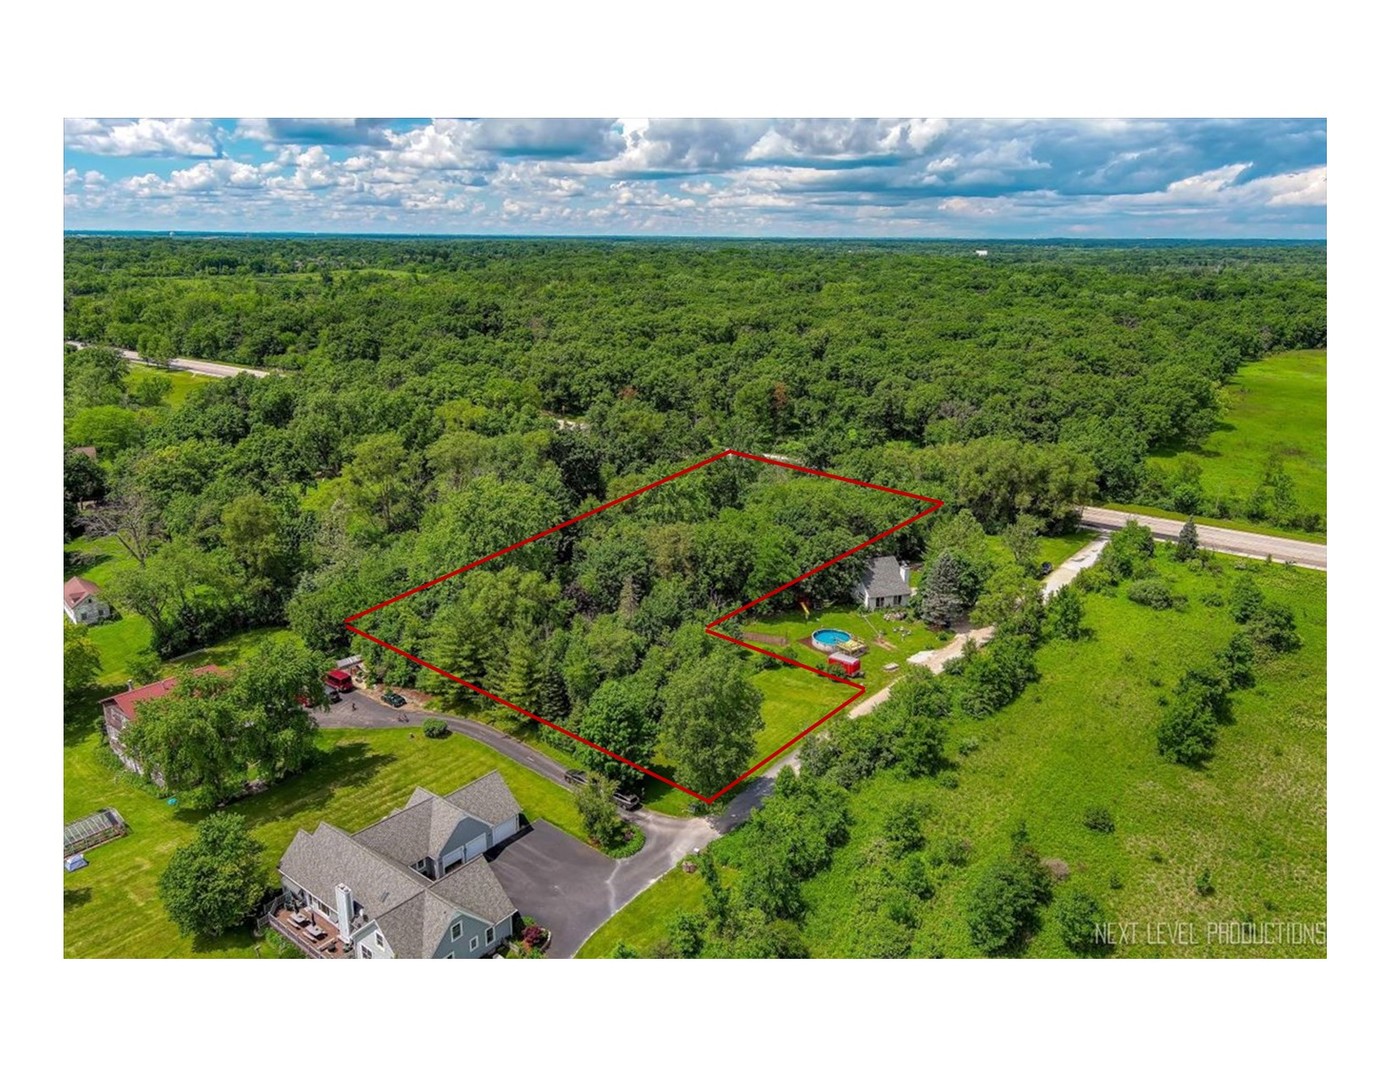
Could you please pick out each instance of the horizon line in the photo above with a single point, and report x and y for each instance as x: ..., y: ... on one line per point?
x: 322, y: 235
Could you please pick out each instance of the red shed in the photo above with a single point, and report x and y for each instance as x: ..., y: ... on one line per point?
x: 340, y: 680
x: 846, y: 663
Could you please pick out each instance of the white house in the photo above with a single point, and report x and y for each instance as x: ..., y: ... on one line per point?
x: 82, y: 604
x: 884, y: 584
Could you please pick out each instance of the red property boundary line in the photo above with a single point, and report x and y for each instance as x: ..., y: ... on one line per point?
x: 934, y: 505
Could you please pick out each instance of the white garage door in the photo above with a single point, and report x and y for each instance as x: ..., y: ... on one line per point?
x: 504, y: 831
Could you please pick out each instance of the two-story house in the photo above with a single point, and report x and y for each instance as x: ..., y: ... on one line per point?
x: 413, y: 885
x: 121, y: 710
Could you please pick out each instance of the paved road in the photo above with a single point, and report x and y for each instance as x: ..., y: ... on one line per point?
x: 180, y: 363
x: 1232, y: 541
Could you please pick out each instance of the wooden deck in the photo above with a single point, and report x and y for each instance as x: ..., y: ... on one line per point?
x: 328, y: 947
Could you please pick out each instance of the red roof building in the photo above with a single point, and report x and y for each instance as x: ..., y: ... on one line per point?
x: 81, y: 603
x: 120, y: 709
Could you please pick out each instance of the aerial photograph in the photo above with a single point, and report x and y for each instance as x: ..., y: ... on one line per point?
x: 664, y: 538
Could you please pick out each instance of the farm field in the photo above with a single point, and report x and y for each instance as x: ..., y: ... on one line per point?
x: 111, y: 907
x: 1272, y: 406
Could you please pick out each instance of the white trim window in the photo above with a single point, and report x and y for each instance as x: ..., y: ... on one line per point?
x: 475, y: 943
x: 489, y: 934
x: 378, y: 940
x: 456, y: 931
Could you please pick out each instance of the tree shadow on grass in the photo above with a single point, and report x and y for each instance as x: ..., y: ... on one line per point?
x: 350, y: 764
x: 75, y: 898
x: 78, y: 563
x: 230, y: 940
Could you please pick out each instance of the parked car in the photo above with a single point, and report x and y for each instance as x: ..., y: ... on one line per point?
x: 332, y: 693
x: 1045, y: 569
x: 395, y: 699
x: 576, y: 777
x: 627, y: 801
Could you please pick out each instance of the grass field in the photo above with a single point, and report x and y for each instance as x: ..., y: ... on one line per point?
x: 905, y: 638
x: 793, y: 700
x: 111, y: 907
x: 1084, y: 735
x: 1276, y: 405
x: 181, y: 382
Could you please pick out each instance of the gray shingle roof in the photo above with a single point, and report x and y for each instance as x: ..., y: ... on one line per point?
x: 416, y: 927
x: 422, y: 828
x: 321, y: 860
x: 488, y: 799
x: 474, y: 888
x: 412, y: 912
x: 883, y: 578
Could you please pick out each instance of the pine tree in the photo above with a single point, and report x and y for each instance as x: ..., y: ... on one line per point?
x: 522, y: 681
x: 1187, y: 546
x: 944, y: 590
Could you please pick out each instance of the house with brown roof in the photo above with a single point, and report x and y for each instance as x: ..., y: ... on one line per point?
x: 415, y: 885
x: 120, y: 710
x: 82, y: 604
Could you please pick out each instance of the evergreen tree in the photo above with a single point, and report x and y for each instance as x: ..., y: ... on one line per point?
x: 944, y: 590
x: 1187, y: 546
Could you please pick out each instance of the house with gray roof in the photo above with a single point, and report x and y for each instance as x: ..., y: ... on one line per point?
x: 884, y: 584
x: 413, y: 885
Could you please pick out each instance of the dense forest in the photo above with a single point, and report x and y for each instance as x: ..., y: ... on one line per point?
x: 439, y: 399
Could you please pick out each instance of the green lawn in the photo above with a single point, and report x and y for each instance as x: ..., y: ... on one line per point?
x: 1276, y: 405
x: 905, y: 638
x: 231, y: 651
x: 181, y: 382
x: 120, y: 639
x: 111, y: 908
x: 1058, y: 549
x: 1084, y: 735
x: 792, y: 701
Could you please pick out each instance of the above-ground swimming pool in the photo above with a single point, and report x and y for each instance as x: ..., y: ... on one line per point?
x: 829, y: 640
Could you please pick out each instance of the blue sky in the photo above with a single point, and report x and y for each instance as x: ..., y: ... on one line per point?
x: 862, y: 177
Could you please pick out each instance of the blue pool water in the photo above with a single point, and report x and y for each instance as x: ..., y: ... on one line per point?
x: 830, y: 637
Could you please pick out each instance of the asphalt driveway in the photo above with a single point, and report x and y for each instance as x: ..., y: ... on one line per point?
x: 558, y: 881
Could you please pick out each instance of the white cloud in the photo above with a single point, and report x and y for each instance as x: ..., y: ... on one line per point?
x: 143, y: 138
x: 922, y: 176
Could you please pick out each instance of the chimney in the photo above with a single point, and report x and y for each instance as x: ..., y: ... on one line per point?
x: 903, y: 572
x: 344, y: 910
x: 131, y: 684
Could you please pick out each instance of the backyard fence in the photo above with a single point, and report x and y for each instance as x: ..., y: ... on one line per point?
x: 765, y: 639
